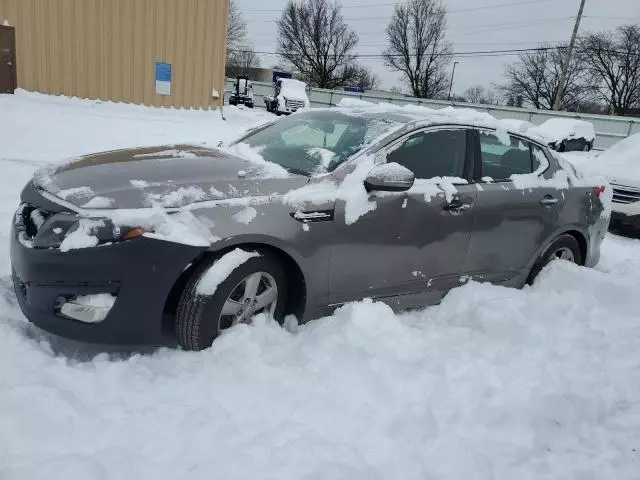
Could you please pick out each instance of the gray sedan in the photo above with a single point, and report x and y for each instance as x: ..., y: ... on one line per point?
x: 154, y: 245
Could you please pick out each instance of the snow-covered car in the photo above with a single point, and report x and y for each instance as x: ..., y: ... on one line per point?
x: 620, y: 165
x: 150, y: 245
x: 566, y: 134
x: 290, y: 96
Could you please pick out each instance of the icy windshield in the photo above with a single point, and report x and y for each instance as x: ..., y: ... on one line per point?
x: 313, y: 143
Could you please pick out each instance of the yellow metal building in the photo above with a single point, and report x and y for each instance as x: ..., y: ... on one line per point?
x: 151, y: 52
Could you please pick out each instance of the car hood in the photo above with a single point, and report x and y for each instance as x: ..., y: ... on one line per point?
x: 171, y: 176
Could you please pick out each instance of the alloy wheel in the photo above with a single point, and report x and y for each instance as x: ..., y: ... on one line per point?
x: 256, y: 293
x: 564, y: 253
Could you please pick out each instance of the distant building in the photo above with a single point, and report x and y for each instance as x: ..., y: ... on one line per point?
x: 154, y: 52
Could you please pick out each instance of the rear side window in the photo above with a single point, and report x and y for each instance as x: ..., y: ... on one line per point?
x: 439, y: 153
x: 505, y: 155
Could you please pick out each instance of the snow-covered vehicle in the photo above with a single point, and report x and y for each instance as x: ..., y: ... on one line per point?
x: 566, y: 134
x: 243, y: 92
x: 150, y: 245
x: 620, y: 165
x: 290, y: 96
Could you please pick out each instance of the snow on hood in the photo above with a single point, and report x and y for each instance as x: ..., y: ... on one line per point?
x: 620, y: 163
x: 169, y: 177
x: 558, y: 129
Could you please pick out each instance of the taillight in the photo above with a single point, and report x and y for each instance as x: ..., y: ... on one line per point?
x: 598, y: 191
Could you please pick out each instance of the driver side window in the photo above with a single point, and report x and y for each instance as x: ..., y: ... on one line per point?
x: 439, y: 153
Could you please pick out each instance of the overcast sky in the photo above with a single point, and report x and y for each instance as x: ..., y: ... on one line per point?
x: 473, y: 25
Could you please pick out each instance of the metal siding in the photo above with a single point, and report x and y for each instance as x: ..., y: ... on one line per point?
x: 107, y: 49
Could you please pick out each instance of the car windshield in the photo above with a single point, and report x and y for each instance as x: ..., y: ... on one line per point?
x: 312, y: 143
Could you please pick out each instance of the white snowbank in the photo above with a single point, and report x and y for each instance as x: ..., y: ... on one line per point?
x: 221, y: 269
x: 620, y: 163
x: 558, y: 129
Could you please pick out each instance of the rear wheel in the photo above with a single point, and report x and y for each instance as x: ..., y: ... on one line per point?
x: 565, y: 247
x: 257, y: 286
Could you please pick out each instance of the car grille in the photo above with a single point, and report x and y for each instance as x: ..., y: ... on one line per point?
x: 623, y: 194
x: 29, y: 220
x: 294, y: 104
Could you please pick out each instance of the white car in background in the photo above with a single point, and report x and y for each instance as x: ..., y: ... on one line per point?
x: 566, y: 134
x: 620, y: 165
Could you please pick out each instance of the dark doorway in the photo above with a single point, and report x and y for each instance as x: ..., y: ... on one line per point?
x: 8, y: 75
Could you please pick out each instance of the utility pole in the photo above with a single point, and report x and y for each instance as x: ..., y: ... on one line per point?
x: 452, y: 74
x: 567, y: 60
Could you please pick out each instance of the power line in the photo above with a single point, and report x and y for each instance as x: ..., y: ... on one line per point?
x: 476, y: 53
x: 387, y: 4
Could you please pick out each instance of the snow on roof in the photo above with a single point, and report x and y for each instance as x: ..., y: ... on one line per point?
x: 557, y: 129
x: 620, y: 163
x: 451, y: 115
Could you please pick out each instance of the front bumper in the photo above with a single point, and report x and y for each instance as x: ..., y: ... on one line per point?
x: 140, y: 273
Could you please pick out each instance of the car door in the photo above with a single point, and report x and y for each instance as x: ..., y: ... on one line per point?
x: 410, y: 249
x: 515, y: 210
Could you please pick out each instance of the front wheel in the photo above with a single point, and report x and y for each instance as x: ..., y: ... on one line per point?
x: 565, y: 247
x: 256, y: 286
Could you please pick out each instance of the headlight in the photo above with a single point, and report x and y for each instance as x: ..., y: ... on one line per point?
x: 60, y: 226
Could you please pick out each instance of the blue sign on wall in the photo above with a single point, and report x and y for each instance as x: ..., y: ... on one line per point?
x: 163, y: 78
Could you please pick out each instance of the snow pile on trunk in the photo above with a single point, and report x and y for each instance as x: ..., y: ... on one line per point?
x: 558, y: 129
x: 220, y: 270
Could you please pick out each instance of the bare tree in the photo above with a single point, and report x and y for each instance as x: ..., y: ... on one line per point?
x: 417, y: 46
x: 366, y: 79
x: 481, y: 95
x: 613, y: 61
x: 241, y: 61
x: 236, y: 28
x: 475, y: 94
x: 314, y: 39
x: 535, y: 77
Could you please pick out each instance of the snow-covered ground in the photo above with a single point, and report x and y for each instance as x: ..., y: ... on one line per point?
x: 494, y: 383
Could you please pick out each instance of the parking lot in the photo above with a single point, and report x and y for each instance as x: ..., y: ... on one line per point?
x: 492, y: 383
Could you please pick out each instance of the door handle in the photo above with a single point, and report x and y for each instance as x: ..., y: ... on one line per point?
x: 548, y: 201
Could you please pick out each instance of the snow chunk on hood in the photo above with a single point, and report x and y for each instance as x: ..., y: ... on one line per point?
x: 220, y: 270
x: 252, y: 155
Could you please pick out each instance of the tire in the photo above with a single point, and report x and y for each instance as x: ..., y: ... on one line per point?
x: 198, y: 317
x: 563, y: 243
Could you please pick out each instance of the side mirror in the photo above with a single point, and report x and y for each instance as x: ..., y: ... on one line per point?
x: 389, y: 177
